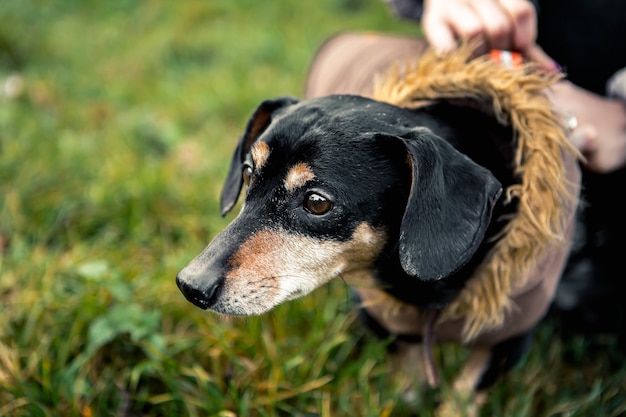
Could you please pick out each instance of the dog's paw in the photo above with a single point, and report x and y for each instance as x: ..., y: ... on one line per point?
x: 457, y: 410
x: 460, y: 404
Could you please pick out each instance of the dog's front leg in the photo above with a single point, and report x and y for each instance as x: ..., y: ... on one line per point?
x: 462, y: 399
x: 409, y: 366
x: 483, y: 368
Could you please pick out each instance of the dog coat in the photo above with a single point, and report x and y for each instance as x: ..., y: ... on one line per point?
x: 514, y: 286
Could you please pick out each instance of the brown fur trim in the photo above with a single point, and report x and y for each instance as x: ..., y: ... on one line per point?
x: 515, y: 97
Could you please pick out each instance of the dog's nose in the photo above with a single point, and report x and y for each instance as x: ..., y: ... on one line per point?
x: 203, y: 297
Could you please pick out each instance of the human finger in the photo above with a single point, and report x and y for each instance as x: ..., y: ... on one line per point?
x: 584, y: 138
x: 536, y: 54
x: 523, y: 18
x: 496, y: 24
x: 439, y: 35
x: 446, y: 23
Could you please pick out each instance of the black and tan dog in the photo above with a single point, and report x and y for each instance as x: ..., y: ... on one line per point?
x: 451, y: 216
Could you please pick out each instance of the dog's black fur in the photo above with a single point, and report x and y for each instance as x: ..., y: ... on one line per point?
x: 344, y: 185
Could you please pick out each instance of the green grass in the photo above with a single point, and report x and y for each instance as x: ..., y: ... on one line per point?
x: 112, y: 155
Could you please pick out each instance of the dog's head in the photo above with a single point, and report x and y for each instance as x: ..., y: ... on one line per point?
x: 332, y: 184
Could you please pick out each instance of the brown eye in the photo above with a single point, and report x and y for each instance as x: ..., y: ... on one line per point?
x: 317, y: 204
x: 247, y: 174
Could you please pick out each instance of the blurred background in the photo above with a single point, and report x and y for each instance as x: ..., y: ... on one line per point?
x: 117, y: 123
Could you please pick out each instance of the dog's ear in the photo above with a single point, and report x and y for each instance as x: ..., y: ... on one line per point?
x: 448, y: 210
x: 259, y: 121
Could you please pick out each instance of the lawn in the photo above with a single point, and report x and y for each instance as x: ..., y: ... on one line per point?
x: 117, y: 122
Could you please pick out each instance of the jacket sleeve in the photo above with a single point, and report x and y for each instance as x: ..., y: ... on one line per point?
x: 406, y: 9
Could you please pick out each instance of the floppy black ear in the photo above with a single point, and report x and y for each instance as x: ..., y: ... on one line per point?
x: 448, y: 210
x: 259, y: 121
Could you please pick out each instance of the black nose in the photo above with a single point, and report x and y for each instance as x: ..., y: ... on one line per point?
x: 203, y: 298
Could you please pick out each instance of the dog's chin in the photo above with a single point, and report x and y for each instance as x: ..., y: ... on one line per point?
x: 241, y: 311
x: 257, y: 305
x: 260, y: 306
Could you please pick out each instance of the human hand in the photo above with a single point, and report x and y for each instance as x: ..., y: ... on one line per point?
x: 600, y: 133
x: 494, y: 24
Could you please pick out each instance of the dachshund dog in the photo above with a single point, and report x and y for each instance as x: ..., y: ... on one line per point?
x: 403, y: 204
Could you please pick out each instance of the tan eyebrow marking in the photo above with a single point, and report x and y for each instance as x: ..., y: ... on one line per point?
x: 298, y: 175
x: 260, y: 152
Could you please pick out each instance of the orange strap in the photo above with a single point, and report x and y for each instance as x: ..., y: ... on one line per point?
x: 507, y: 58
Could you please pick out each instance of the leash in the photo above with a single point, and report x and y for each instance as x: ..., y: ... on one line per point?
x: 432, y: 375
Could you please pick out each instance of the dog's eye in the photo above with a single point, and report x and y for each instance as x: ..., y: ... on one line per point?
x: 317, y: 204
x: 247, y: 174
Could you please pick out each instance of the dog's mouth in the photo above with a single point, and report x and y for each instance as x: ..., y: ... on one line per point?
x: 202, y: 299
